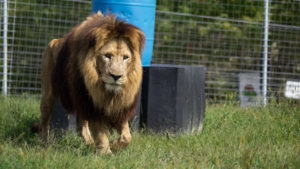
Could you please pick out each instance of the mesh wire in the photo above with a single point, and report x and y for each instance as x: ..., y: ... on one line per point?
x: 227, y: 37
x: 31, y: 26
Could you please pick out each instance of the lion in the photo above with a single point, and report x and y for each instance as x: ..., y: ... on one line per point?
x: 96, y: 71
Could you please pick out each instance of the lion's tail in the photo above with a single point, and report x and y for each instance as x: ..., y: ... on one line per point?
x: 35, y: 127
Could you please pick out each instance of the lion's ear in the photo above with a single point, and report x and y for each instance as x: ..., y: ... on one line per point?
x: 141, y: 41
x: 89, y: 38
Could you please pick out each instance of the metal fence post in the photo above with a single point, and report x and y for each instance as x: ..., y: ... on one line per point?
x: 5, y: 24
x: 265, y: 52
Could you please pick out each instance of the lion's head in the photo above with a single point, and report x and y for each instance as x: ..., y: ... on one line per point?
x: 113, y: 61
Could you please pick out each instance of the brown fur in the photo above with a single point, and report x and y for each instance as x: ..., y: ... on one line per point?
x: 71, y: 72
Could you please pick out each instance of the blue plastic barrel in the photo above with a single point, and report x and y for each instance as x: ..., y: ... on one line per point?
x: 140, y: 13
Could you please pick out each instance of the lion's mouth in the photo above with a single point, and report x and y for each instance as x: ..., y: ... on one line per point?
x: 113, y: 84
x: 115, y: 87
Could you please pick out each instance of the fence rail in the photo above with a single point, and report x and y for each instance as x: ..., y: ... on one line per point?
x: 228, y: 37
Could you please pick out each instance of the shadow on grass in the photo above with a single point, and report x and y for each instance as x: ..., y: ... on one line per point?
x: 18, y: 132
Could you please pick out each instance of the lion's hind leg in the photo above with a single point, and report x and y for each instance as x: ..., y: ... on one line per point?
x: 46, y: 107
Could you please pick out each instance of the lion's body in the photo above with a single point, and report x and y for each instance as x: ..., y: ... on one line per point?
x: 96, y: 71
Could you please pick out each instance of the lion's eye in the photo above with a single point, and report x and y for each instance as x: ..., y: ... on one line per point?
x: 108, y: 55
x: 125, y: 57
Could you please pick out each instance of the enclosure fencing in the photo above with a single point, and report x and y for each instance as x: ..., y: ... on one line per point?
x: 229, y: 37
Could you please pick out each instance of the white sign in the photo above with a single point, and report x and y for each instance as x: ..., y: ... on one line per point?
x: 250, y: 93
x: 292, y: 89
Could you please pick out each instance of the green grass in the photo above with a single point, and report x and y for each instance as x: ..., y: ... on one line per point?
x: 233, y: 137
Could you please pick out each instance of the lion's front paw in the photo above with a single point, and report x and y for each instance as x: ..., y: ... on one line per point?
x: 104, y: 150
x: 122, y: 142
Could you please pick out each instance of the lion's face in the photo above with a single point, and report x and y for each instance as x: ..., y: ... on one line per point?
x: 113, y: 60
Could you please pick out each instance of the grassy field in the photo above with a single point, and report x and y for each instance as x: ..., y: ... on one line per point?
x: 233, y: 137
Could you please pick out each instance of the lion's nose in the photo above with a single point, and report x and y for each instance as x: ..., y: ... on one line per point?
x: 116, y: 77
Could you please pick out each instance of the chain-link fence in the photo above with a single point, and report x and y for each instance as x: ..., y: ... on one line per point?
x: 227, y: 36
x: 31, y: 25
